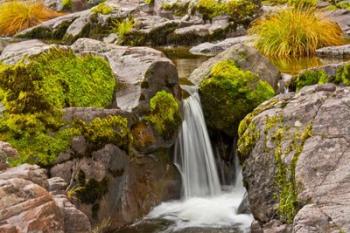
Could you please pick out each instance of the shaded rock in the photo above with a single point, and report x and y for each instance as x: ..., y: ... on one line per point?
x: 212, y: 49
x: 57, y: 185
x: 6, y: 152
x: 75, y: 221
x: 246, y: 58
x: 141, y: 71
x: 276, y: 226
x: 316, y: 122
x: 244, y: 207
x: 79, y: 145
x: 16, y: 51
x: 342, y: 51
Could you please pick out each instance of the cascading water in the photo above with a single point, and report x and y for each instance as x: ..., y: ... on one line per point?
x: 203, y: 204
x: 194, y: 154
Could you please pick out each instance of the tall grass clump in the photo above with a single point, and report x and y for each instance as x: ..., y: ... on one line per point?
x: 295, y: 32
x: 16, y: 16
x: 124, y: 27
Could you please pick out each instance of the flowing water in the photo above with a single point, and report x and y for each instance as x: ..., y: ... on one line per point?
x: 204, y: 204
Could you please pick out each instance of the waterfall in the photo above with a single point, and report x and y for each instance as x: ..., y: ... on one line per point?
x: 204, y: 204
x: 194, y: 155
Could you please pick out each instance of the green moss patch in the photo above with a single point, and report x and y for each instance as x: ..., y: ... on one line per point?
x: 36, y: 90
x: 102, y: 9
x: 165, y: 113
x: 229, y: 94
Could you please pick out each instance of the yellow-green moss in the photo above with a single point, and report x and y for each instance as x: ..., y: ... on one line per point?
x: 111, y: 129
x: 36, y: 90
x: 102, y: 9
x: 311, y: 77
x: 228, y: 94
x: 123, y: 28
x: 165, y: 114
x: 247, y: 140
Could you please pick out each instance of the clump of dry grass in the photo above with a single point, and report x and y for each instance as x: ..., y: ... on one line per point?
x: 16, y: 16
x: 295, y: 32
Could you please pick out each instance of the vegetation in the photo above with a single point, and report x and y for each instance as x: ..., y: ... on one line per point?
x: 35, y: 91
x: 311, y: 77
x: 16, y: 16
x: 124, y: 27
x: 239, y: 11
x: 149, y: 2
x: 66, y: 4
x: 229, y: 94
x: 343, y: 75
x: 295, y: 32
x: 165, y: 114
x: 102, y: 9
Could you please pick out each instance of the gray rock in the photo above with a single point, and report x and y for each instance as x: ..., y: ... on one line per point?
x: 16, y: 51
x: 342, y: 51
x: 79, y: 145
x: 57, y: 186
x: 342, y: 18
x: 111, y: 38
x: 214, y: 48
x: 244, y: 207
x: 246, y: 58
x: 321, y: 172
x: 141, y: 71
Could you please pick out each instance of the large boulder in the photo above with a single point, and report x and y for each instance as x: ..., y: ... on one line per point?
x: 111, y: 185
x: 245, y: 57
x: 294, y: 151
x: 27, y: 205
x: 141, y: 71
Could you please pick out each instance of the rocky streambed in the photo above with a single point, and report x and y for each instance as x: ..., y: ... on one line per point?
x: 102, y: 166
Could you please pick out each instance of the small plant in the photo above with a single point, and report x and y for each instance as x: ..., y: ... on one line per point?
x: 16, y: 16
x: 102, y: 9
x: 124, y: 27
x: 295, y: 33
x: 71, y: 193
x: 311, y: 77
x: 149, y: 2
x: 103, y: 226
x: 66, y: 4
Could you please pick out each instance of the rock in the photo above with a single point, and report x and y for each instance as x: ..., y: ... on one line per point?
x: 213, y: 49
x: 57, y: 186
x: 111, y: 38
x: 32, y: 173
x: 342, y: 51
x: 16, y: 51
x: 342, y: 18
x: 246, y: 58
x: 305, y: 134
x: 276, y: 226
x: 6, y: 152
x: 141, y: 71
x: 26, y: 205
x: 244, y: 207
x: 80, y: 26
x: 75, y: 221
x: 79, y: 145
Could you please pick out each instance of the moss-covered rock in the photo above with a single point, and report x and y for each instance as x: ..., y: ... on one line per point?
x: 165, y: 113
x: 311, y: 77
x: 35, y: 91
x: 228, y: 94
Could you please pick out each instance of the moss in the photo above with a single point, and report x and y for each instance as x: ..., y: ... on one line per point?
x: 178, y: 8
x: 247, y: 140
x: 311, y: 77
x: 165, y: 113
x: 229, y: 94
x: 111, y: 129
x: 149, y: 2
x: 35, y: 91
x: 58, y: 79
x: 102, y: 9
x: 66, y: 4
x: 343, y: 75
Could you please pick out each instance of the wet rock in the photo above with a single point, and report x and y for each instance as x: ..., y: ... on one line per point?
x: 342, y: 51
x: 246, y: 58
x: 316, y: 120
x: 141, y: 71
x: 213, y: 49
x: 244, y: 207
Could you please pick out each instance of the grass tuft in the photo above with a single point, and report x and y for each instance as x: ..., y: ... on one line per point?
x: 16, y: 16
x: 295, y: 32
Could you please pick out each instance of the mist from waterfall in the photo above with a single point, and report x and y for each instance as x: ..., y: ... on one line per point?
x: 204, y: 204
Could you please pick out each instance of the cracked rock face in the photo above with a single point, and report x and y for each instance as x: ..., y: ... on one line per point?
x: 321, y: 158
